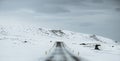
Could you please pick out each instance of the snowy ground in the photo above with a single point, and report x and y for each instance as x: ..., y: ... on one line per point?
x: 30, y: 43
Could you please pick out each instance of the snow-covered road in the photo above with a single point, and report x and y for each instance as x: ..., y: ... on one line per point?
x: 61, y: 53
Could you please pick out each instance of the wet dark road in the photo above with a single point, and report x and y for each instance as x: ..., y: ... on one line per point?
x: 60, y: 53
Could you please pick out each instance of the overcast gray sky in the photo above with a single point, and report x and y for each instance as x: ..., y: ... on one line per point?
x: 101, y: 17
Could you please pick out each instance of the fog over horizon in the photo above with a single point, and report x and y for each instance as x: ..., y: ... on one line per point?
x: 100, y: 17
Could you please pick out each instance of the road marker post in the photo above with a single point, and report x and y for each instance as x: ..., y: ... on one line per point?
x: 78, y: 53
x: 45, y: 52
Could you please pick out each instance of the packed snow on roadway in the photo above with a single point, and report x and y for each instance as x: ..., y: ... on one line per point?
x: 32, y: 43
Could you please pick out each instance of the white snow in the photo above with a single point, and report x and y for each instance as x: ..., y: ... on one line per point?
x: 32, y: 43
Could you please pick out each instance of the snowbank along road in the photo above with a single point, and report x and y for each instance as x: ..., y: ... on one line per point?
x: 61, y: 53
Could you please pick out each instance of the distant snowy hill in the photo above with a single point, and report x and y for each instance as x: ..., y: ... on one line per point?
x: 28, y: 31
x: 29, y: 43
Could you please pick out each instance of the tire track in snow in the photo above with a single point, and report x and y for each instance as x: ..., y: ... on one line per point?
x: 61, y: 54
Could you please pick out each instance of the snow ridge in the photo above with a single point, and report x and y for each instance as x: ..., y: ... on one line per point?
x: 27, y: 31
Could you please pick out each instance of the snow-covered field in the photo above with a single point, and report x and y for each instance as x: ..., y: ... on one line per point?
x: 32, y: 43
